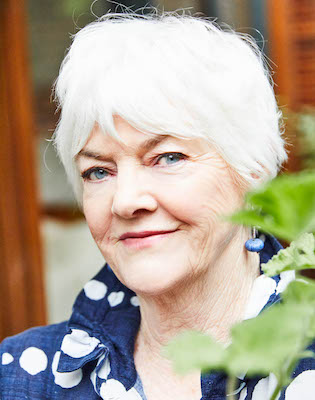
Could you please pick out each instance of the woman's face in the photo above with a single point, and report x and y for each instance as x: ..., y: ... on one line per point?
x: 175, y: 185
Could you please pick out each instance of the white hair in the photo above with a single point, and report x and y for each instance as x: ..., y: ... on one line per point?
x: 170, y: 74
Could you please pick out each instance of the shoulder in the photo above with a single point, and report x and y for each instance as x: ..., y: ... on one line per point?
x: 40, y: 342
x: 26, y: 360
x: 45, y: 336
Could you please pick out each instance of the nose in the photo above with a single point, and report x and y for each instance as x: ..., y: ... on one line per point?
x: 132, y: 195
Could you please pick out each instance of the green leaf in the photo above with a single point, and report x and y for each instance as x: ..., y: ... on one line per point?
x: 192, y: 350
x: 269, y: 342
x: 300, y: 291
x: 307, y: 354
x: 299, y: 255
x: 284, y: 207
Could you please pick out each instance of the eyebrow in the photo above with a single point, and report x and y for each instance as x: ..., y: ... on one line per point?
x: 145, y: 146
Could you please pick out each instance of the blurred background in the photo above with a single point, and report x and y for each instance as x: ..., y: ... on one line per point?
x: 47, y: 253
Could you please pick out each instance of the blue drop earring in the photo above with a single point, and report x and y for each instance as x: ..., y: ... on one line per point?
x: 255, y: 244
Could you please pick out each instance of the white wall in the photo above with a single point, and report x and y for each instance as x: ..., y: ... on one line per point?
x: 71, y: 258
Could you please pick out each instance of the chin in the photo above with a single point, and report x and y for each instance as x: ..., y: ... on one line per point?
x: 154, y: 280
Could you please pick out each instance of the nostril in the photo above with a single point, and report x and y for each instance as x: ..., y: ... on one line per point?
x: 133, y: 206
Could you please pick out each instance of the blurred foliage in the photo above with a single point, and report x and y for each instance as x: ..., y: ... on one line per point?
x: 306, y: 129
x: 300, y: 255
x: 302, y: 125
x: 76, y: 7
x: 284, y: 207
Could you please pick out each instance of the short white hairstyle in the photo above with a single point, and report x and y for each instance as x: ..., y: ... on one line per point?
x: 170, y: 73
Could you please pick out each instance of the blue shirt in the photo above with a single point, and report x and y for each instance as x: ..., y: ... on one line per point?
x: 91, y: 355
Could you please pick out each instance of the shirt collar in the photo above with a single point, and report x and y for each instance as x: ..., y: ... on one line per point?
x: 106, y: 318
x: 102, y: 329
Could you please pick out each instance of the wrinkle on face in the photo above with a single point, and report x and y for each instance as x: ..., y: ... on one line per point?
x: 191, y: 197
x: 193, y: 278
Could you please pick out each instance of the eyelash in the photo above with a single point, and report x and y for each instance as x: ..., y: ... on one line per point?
x: 87, y: 173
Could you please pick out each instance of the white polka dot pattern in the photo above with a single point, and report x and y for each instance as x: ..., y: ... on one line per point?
x: 104, y: 370
x: 112, y: 390
x: 134, y: 301
x: 115, y: 298
x: 95, y: 290
x: 285, y: 278
x: 93, y: 378
x: 33, y: 360
x: 7, y: 358
x: 264, y: 388
x: 243, y: 394
x: 78, y: 343
x: 262, y: 289
x: 302, y: 387
x: 66, y: 380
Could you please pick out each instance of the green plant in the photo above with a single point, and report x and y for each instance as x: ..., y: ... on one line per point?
x: 306, y: 132
x: 300, y: 131
x: 274, y: 341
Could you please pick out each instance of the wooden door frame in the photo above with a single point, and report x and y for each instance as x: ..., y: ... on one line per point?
x: 21, y: 273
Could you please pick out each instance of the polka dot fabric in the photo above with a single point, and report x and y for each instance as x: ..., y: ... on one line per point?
x: 33, y: 360
x: 91, y: 355
x: 7, y: 358
x: 95, y: 290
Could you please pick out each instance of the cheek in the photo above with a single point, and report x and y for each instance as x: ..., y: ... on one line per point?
x: 98, y: 217
x: 227, y: 195
x: 202, y: 199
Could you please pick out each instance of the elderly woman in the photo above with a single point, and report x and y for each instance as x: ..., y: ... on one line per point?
x: 166, y: 122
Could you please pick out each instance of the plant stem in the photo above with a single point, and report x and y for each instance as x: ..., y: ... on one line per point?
x: 276, y: 391
x: 231, y: 387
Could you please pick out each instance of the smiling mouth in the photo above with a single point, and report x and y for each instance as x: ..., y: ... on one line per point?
x: 132, y: 235
x: 139, y: 243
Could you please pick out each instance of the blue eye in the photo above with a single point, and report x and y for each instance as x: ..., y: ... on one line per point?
x: 172, y: 157
x: 94, y: 174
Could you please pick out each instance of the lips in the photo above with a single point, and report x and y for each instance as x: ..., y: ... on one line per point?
x: 143, y: 234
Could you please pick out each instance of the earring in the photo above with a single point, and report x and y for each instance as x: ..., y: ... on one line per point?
x: 254, y: 244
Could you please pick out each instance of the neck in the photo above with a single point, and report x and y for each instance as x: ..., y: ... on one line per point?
x: 211, y: 302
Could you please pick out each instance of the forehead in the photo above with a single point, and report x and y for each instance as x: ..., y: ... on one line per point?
x: 134, y: 140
